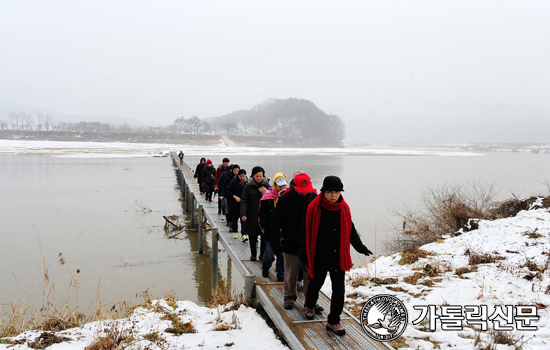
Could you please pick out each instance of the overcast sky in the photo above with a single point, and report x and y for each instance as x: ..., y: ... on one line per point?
x: 388, y: 68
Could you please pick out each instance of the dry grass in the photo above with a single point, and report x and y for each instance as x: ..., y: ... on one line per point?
x: 464, y: 270
x: 508, y: 338
x: 170, y: 298
x: 223, y: 296
x: 363, y: 280
x: 48, y: 317
x: 533, y: 234
x: 411, y: 255
x: 226, y: 326
x: 399, y: 343
x: 20, y: 316
x: 112, y: 337
x: 154, y: 337
x: 429, y: 271
x: 444, y: 210
x: 178, y: 327
x: 513, y: 206
x: 476, y: 258
x: 46, y: 339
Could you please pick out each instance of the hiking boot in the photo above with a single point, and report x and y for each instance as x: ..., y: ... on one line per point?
x: 244, y: 238
x: 336, y: 329
x: 265, y: 274
x: 310, y: 313
x: 289, y: 305
x: 235, y: 235
x: 252, y: 258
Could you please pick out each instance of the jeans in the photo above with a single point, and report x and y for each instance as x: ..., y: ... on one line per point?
x: 268, y: 260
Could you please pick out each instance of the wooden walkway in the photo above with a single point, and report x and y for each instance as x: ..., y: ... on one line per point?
x: 299, y: 332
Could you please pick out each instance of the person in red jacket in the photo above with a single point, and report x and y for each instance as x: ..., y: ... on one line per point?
x: 329, y: 233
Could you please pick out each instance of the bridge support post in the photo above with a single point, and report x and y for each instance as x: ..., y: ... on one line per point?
x: 249, y: 280
x: 201, y: 227
x: 192, y: 208
x: 214, y: 259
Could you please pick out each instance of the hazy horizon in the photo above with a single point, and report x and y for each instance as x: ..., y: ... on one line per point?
x: 394, y: 71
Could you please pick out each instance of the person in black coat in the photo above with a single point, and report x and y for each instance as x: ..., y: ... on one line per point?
x: 287, y: 227
x: 252, y: 193
x: 234, y: 192
x: 208, y: 178
x: 198, y: 174
x: 326, y: 249
x: 223, y: 183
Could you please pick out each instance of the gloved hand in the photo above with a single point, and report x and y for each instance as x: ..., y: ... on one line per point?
x: 367, y: 252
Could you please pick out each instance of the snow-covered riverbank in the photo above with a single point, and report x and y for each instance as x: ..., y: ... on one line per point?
x: 459, y: 272
x: 121, y: 149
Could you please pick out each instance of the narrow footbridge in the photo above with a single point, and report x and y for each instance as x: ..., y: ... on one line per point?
x: 298, y: 332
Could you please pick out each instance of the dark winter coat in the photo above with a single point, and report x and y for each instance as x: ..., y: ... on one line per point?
x: 221, y: 169
x: 208, y: 177
x: 226, y: 181
x: 327, y: 248
x: 250, y: 201
x: 235, y: 188
x: 265, y: 214
x: 288, y: 224
x: 199, y: 170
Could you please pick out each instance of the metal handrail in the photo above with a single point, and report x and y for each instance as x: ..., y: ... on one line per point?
x: 190, y: 200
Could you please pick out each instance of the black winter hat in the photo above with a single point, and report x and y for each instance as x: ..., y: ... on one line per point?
x: 256, y: 170
x: 332, y: 183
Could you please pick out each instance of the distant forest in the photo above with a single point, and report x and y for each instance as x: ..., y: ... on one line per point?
x: 292, y: 121
x: 289, y: 121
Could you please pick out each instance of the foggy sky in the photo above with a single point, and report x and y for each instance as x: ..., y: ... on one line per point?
x: 393, y: 70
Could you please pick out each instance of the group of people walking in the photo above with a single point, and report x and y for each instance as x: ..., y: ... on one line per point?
x: 308, y: 235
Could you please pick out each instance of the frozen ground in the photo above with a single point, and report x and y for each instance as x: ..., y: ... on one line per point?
x: 112, y: 149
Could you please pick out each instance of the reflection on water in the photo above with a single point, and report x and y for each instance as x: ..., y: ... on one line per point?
x: 84, y: 208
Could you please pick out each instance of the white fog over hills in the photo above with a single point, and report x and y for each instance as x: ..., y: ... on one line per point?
x: 7, y: 107
x: 468, y: 125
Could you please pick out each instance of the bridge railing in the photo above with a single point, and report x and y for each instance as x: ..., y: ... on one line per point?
x: 192, y: 204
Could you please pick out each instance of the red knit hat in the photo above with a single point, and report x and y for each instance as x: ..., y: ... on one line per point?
x: 302, y: 183
x: 208, y: 161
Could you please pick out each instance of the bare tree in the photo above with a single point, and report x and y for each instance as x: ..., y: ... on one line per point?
x: 26, y: 121
x: 179, y: 125
x: 40, y: 119
x: 205, y: 127
x: 48, y: 122
x: 3, y: 124
x: 14, y: 120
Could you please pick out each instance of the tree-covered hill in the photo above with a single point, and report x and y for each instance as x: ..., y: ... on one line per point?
x: 293, y: 121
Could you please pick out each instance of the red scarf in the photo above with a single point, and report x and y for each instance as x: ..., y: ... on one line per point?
x: 313, y: 219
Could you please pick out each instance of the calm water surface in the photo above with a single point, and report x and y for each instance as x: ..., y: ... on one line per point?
x: 84, y: 208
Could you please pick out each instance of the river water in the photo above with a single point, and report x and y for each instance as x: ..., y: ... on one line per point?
x: 85, y: 209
